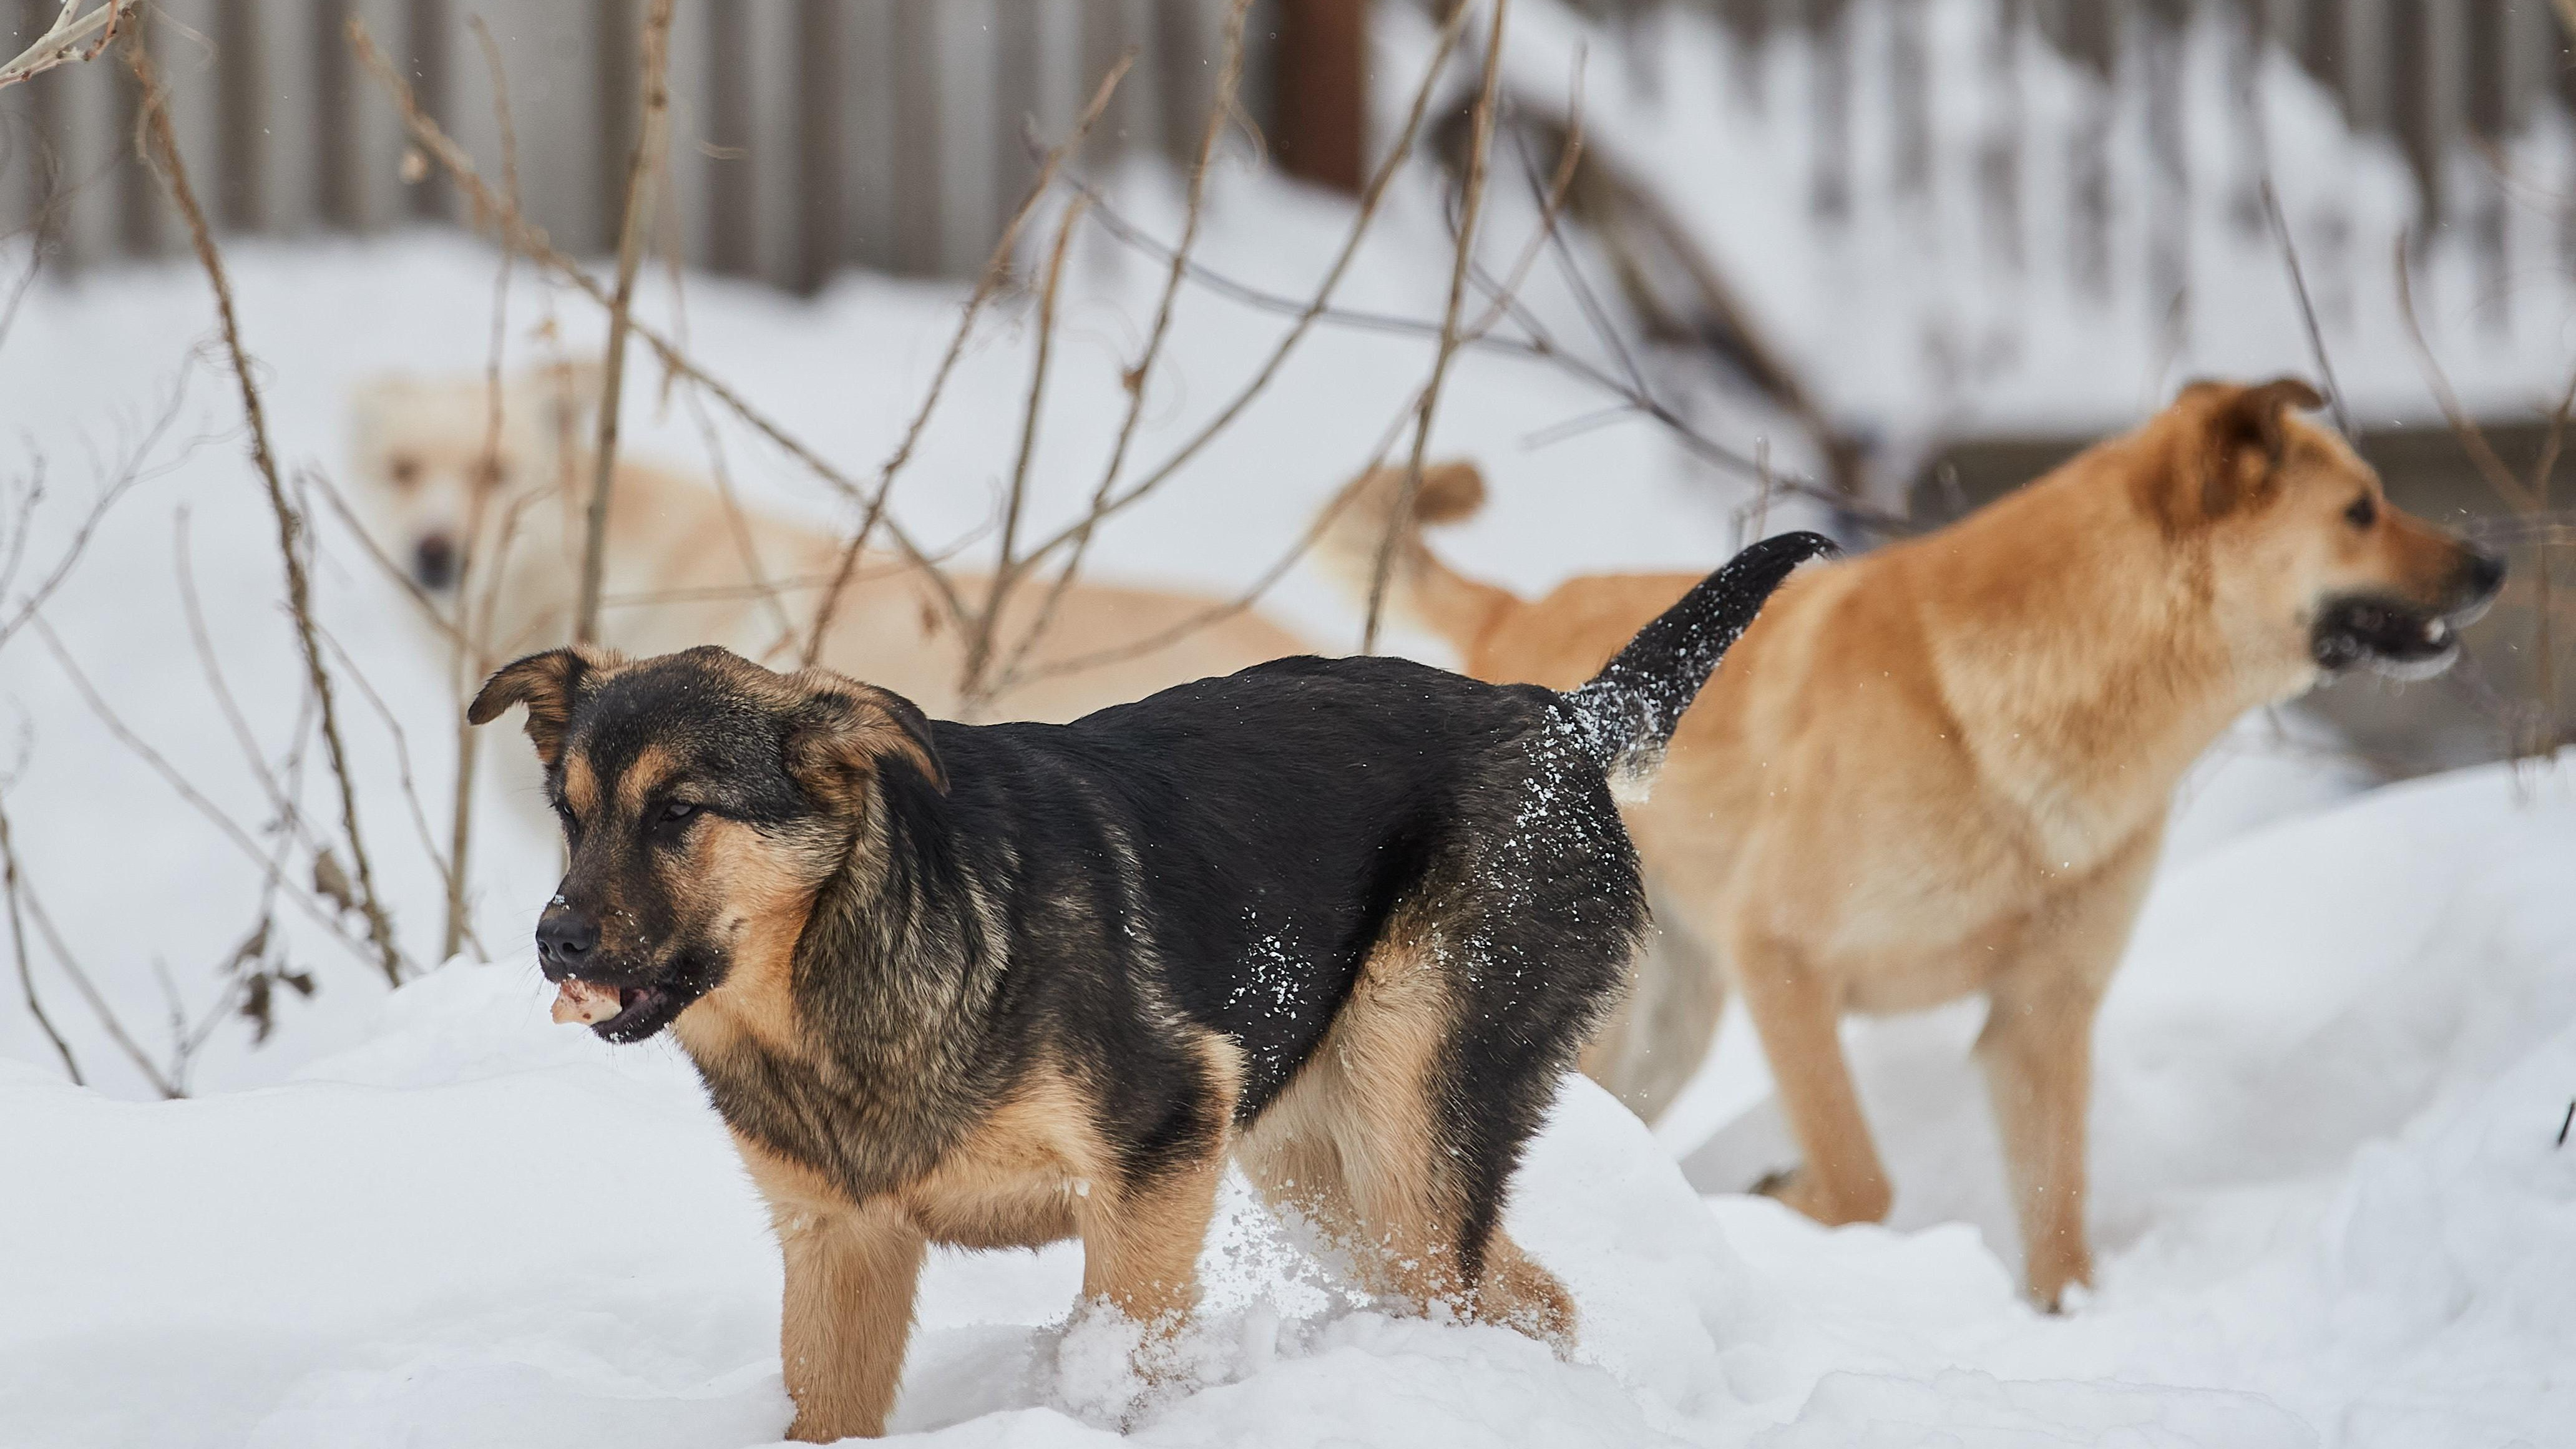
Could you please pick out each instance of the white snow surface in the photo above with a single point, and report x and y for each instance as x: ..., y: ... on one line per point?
x: 2332, y: 1210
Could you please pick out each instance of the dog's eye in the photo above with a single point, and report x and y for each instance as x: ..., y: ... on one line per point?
x: 2363, y: 513
x: 676, y: 811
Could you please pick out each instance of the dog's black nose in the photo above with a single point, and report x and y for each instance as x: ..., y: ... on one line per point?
x: 565, y: 938
x: 2481, y: 574
x: 433, y: 561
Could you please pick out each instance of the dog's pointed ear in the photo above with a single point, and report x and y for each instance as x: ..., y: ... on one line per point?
x: 847, y: 732
x: 549, y: 684
x: 2243, y: 434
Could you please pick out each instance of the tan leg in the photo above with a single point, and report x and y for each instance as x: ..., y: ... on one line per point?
x: 1290, y: 1157
x: 2037, y: 1052
x: 1140, y: 1249
x: 847, y: 1317
x: 1519, y: 1294
x: 1797, y: 1013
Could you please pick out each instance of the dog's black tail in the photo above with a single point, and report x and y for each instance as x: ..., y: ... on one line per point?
x: 1626, y: 713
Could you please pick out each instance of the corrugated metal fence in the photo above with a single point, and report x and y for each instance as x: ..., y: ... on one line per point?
x: 806, y: 134
x: 810, y: 134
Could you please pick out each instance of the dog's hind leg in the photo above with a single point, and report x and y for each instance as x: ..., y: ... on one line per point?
x: 1798, y: 1015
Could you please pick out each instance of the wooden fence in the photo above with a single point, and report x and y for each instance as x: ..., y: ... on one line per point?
x: 807, y: 134
x: 811, y: 134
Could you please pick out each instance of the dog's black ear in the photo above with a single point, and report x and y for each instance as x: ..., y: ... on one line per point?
x: 845, y: 732
x: 549, y: 684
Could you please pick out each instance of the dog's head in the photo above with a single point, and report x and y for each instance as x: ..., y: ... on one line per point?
x: 432, y: 483
x: 2310, y: 568
x: 705, y: 802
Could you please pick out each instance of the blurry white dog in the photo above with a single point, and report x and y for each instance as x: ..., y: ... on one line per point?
x: 683, y: 568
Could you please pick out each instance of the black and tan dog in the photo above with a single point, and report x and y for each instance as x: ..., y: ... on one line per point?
x: 1346, y: 920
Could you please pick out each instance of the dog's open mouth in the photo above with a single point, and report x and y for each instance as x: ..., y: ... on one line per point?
x: 2390, y: 636
x: 618, y: 1013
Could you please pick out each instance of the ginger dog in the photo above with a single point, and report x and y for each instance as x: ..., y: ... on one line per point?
x: 683, y: 568
x: 1943, y: 768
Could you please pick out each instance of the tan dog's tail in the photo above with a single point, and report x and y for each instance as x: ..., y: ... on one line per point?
x: 1420, y: 589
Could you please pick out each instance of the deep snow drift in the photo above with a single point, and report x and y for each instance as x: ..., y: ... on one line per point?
x: 2333, y: 1073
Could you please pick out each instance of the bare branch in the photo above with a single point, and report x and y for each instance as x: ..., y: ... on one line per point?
x: 128, y: 474
x: 2307, y: 309
x: 468, y: 659
x: 973, y: 693
x: 1221, y: 111
x: 61, y: 44
x: 164, y: 151
x: 505, y: 217
x: 22, y: 898
x: 2472, y: 438
x: 1469, y: 208
x: 1306, y: 315
x: 18, y: 944
x: 231, y: 829
x: 649, y: 137
x: 995, y: 268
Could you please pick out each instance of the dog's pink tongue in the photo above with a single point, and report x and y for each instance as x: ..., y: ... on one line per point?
x: 585, y: 1002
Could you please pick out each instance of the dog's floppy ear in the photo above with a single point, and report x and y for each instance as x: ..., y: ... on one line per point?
x: 845, y: 732
x: 2243, y: 434
x: 549, y: 684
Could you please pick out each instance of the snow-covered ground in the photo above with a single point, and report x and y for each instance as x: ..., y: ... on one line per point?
x: 2331, y: 1075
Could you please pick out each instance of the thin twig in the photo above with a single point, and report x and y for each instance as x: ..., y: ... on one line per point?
x: 61, y: 43
x: 1268, y: 578
x: 22, y: 896
x: 231, y: 829
x: 289, y: 820
x: 612, y: 372
x: 129, y: 474
x: 972, y: 691
x: 173, y: 171
x: 1307, y: 314
x: 1539, y: 349
x: 996, y: 266
x: 402, y: 771
x: 491, y: 209
x: 2307, y: 311
x: 1136, y: 379
x: 18, y: 944
x: 467, y: 661
x: 2472, y: 438
x: 1469, y: 208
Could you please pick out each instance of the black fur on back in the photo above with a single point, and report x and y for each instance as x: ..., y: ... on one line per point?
x: 1226, y: 853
